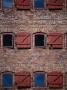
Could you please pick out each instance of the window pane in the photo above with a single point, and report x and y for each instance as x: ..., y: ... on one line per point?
x: 39, y: 40
x: 8, y: 40
x: 7, y: 80
x: 7, y: 3
x: 39, y: 4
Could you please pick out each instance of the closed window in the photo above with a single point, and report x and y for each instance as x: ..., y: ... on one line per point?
x: 39, y: 79
x: 7, y: 80
x: 39, y: 4
x: 7, y: 4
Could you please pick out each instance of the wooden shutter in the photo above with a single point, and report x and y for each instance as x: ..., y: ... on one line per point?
x: 39, y: 79
x: 65, y: 79
x: 55, y: 4
x: 55, y: 40
x: 23, y: 4
x: 55, y: 80
x: 23, y: 79
x: 23, y: 40
x: 65, y: 40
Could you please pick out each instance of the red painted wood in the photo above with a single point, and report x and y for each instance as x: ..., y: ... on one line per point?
x: 23, y: 4
x: 23, y: 79
x: 23, y: 40
x: 55, y: 80
x: 55, y: 40
x: 55, y: 4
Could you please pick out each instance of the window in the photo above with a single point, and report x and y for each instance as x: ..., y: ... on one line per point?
x: 23, y: 40
x: 7, y: 4
x: 55, y: 80
x: 65, y: 40
x: 39, y: 4
x: 55, y: 4
x: 40, y: 39
x: 7, y: 80
x: 23, y: 79
x: 39, y: 79
x: 55, y: 40
x: 23, y: 4
x: 8, y: 40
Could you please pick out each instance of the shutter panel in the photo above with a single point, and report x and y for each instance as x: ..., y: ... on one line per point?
x: 55, y: 40
x: 65, y: 39
x: 23, y: 79
x: 23, y: 4
x: 55, y: 4
x: 65, y: 80
x: 23, y: 40
x: 39, y: 79
x: 55, y: 80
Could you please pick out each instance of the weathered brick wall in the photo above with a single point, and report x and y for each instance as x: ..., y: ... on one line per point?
x: 34, y: 59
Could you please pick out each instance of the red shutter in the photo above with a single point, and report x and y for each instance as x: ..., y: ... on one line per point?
x: 23, y: 4
x: 65, y: 39
x: 55, y: 80
x: 23, y: 40
x: 55, y: 4
x: 55, y: 40
x: 65, y: 79
x: 23, y: 79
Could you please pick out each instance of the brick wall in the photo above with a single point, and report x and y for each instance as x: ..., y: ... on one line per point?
x: 34, y: 59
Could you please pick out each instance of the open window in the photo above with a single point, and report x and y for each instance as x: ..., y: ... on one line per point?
x: 40, y: 39
x: 8, y: 40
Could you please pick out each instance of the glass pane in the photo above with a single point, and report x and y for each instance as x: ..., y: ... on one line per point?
x: 7, y: 40
x: 7, y: 3
x: 7, y: 80
x: 39, y: 4
x: 39, y: 40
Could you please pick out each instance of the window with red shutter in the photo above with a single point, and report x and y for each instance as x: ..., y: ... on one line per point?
x: 23, y: 4
x: 55, y: 80
x: 8, y: 39
x: 55, y: 40
x: 23, y: 79
x: 23, y: 40
x: 55, y: 4
x: 40, y: 39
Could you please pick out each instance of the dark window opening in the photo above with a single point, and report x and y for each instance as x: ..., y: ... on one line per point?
x: 7, y: 40
x: 39, y: 40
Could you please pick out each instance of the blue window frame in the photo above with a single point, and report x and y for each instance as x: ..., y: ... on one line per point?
x: 7, y: 4
x: 39, y: 79
x: 7, y: 80
x: 39, y: 4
